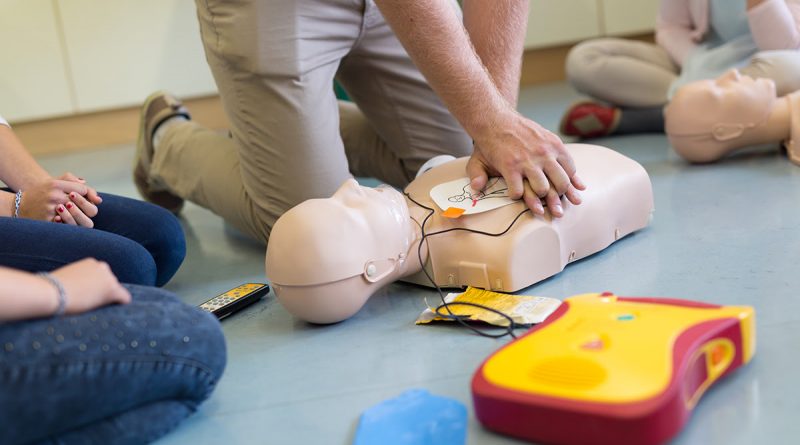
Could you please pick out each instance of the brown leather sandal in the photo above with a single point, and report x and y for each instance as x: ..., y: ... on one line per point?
x: 157, y: 108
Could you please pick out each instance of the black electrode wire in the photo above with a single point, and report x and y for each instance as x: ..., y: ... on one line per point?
x: 509, y: 330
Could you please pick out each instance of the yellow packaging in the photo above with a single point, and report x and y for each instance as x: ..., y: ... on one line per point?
x: 523, y: 309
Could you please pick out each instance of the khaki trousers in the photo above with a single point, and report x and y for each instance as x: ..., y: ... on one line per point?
x: 274, y: 62
x: 630, y: 73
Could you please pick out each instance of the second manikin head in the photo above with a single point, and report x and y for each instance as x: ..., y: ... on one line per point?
x: 707, y: 119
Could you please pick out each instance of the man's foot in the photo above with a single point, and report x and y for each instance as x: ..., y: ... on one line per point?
x: 589, y: 120
x: 157, y: 109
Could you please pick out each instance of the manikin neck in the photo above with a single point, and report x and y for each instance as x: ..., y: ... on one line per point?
x: 417, y: 216
x: 776, y: 128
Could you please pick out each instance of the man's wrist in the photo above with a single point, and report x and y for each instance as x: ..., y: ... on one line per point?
x: 489, y: 123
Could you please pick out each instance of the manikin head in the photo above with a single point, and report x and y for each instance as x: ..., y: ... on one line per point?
x: 708, y: 118
x: 327, y: 256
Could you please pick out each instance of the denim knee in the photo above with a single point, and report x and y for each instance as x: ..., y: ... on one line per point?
x: 195, y: 335
x: 166, y: 243
x: 116, y: 359
x: 131, y: 263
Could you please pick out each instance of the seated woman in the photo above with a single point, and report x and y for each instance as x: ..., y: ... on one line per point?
x: 708, y: 119
x: 631, y: 80
x: 85, y: 360
x: 326, y: 257
x: 47, y: 222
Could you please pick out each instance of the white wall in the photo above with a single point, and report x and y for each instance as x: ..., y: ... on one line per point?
x: 63, y: 57
x: 558, y: 22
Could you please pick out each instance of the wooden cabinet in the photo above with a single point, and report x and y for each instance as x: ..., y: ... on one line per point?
x: 625, y: 17
x: 34, y: 82
x: 63, y: 57
x: 558, y: 22
x: 120, y: 51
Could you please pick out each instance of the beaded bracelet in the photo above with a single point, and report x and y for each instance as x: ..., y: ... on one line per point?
x: 62, y: 294
x: 17, y: 202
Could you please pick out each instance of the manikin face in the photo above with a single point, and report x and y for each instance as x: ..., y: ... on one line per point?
x: 373, y: 204
x: 723, y: 107
x: 359, y: 230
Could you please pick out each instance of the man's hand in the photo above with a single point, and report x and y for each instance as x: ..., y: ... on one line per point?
x: 532, y: 160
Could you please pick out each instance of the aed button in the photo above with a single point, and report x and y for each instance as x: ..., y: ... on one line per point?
x: 718, y: 354
x: 595, y: 343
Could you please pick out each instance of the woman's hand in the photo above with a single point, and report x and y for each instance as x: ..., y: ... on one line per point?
x: 91, y: 193
x: 49, y: 200
x: 41, y: 200
x: 86, y: 205
x: 90, y: 284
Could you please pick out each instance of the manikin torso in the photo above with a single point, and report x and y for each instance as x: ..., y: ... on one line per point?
x: 618, y: 201
x: 326, y: 257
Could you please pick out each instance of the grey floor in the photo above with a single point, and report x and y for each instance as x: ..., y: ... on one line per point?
x: 724, y: 233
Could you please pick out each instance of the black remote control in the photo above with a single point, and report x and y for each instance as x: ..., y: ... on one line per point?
x: 235, y: 299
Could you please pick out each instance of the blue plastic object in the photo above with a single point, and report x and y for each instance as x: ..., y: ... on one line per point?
x: 414, y: 417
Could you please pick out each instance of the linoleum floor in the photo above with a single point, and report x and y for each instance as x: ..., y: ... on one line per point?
x: 725, y: 233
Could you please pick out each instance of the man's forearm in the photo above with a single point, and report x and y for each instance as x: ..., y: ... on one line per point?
x: 436, y: 40
x: 497, y: 31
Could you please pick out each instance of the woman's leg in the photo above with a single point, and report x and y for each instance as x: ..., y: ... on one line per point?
x: 781, y: 66
x: 632, y: 77
x: 640, y: 120
x: 122, y: 373
x: 36, y: 246
x: 149, y: 225
x: 161, y: 417
x: 622, y: 72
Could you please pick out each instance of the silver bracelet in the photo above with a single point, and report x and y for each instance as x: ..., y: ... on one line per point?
x: 62, y: 294
x: 17, y: 202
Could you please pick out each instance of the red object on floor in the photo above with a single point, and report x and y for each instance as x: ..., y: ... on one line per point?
x: 589, y: 120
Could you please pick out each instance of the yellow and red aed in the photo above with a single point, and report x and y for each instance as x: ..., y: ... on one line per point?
x: 605, y: 369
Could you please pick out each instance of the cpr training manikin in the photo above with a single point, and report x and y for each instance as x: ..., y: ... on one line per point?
x: 708, y: 119
x: 326, y: 257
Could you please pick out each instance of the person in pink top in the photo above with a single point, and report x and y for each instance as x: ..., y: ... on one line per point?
x: 631, y: 81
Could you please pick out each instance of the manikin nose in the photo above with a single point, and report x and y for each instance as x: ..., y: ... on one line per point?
x: 732, y: 76
x: 350, y: 188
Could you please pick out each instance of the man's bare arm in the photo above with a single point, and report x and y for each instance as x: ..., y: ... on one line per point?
x: 497, y: 31
x: 506, y: 143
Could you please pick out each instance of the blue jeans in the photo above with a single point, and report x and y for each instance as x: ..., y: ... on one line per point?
x: 121, y: 374
x: 142, y: 242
